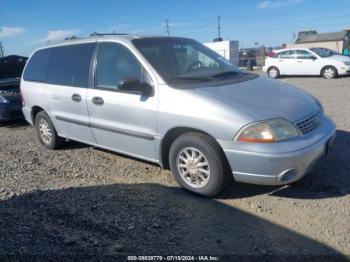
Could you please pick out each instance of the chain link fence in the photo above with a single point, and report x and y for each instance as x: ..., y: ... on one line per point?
x: 250, y: 58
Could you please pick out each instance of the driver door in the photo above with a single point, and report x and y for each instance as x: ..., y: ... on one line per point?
x: 307, y: 63
x: 122, y: 120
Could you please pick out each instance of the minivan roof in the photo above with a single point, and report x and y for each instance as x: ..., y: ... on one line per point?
x: 96, y: 37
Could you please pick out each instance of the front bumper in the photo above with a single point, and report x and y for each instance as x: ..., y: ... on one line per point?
x: 282, y: 162
x: 10, y: 111
x: 344, y: 70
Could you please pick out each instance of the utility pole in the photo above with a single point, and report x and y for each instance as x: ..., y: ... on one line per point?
x: 167, y: 27
x: 1, y: 50
x: 293, y: 38
x: 219, y: 27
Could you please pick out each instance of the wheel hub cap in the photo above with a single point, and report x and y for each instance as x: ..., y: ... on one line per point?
x: 329, y: 73
x: 193, y: 167
x: 45, y: 131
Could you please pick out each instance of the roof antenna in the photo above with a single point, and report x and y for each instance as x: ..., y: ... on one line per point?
x: 167, y: 27
x: 219, y: 26
x: 218, y: 39
x: 1, y: 50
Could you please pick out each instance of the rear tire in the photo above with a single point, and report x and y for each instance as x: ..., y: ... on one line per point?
x: 329, y: 72
x: 198, y: 164
x: 273, y: 72
x: 46, y: 131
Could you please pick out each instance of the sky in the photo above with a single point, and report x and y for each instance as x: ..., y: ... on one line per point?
x: 27, y: 25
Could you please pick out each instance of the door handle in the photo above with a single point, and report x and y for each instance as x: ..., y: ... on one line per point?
x: 76, y: 97
x: 299, y: 61
x: 96, y: 100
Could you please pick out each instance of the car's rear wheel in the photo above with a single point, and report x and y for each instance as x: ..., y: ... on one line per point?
x: 46, y: 131
x: 329, y: 72
x: 198, y: 164
x: 273, y: 72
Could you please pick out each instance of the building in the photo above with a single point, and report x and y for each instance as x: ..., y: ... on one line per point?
x: 337, y: 41
x: 227, y: 49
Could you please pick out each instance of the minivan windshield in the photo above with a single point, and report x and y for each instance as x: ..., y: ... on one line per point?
x: 324, y: 52
x: 185, y: 60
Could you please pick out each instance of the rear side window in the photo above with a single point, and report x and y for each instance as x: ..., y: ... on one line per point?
x: 70, y: 65
x: 36, y: 69
x: 290, y: 54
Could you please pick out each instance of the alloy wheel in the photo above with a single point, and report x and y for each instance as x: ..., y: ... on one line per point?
x: 193, y: 167
x: 45, y: 131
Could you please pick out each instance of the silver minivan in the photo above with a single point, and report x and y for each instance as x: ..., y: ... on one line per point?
x: 174, y: 102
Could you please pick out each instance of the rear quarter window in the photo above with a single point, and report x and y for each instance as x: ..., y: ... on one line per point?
x: 290, y: 54
x: 65, y: 65
x: 36, y: 69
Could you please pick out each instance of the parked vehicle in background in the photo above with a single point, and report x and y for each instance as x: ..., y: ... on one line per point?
x: 301, y: 61
x: 11, y: 68
x: 175, y: 102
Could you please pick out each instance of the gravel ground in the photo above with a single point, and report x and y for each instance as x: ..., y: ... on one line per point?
x: 87, y: 201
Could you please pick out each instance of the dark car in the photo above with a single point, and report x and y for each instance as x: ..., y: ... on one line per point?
x: 11, y: 68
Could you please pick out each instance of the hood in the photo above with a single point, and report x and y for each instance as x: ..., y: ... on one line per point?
x: 266, y: 99
x: 340, y: 58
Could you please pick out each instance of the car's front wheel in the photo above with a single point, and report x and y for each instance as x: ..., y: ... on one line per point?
x: 46, y: 131
x: 329, y: 72
x: 273, y: 72
x: 198, y: 164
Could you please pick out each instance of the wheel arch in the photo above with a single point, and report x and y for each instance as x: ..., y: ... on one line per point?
x: 35, y: 110
x: 324, y: 67
x: 172, y: 134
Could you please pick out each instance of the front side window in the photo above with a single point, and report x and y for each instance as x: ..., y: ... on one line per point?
x: 185, y: 60
x: 303, y: 54
x: 114, y: 63
x: 290, y: 54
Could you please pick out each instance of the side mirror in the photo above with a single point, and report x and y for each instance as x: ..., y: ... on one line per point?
x: 314, y: 58
x: 129, y: 84
x: 132, y: 84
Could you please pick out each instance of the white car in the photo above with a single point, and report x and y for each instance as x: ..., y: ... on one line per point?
x: 302, y: 61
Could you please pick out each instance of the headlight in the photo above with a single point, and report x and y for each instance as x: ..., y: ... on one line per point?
x: 347, y: 63
x: 3, y: 100
x: 268, y: 131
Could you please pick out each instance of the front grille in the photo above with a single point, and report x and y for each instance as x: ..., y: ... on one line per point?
x: 309, y: 123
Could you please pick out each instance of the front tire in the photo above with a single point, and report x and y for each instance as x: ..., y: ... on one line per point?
x: 273, y: 72
x: 198, y: 164
x: 329, y: 72
x: 46, y: 131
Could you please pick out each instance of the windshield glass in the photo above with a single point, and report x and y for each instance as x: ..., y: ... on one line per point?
x: 185, y: 60
x: 324, y: 52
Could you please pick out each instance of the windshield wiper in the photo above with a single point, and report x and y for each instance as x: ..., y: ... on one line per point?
x: 226, y: 73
